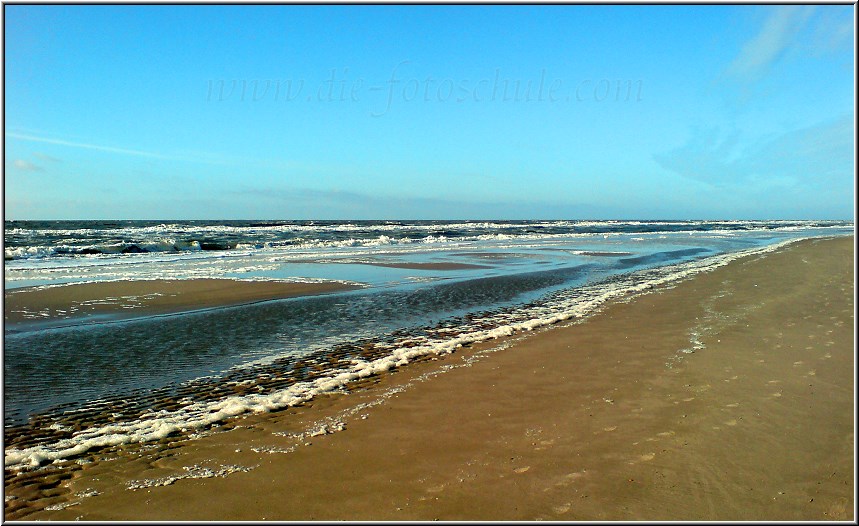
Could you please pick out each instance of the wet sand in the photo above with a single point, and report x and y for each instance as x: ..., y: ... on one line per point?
x: 608, y: 419
x: 65, y: 304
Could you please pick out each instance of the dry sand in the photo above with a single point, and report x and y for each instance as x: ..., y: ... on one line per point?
x: 122, y: 299
x: 606, y: 419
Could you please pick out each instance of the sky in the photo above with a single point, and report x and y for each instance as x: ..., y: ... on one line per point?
x: 429, y: 112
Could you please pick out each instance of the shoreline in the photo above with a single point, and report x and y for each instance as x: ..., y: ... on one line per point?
x: 44, y: 307
x: 584, y: 436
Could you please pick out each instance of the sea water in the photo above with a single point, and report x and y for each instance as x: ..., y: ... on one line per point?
x: 69, y: 389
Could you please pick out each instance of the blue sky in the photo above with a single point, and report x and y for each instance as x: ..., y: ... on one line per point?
x: 429, y: 112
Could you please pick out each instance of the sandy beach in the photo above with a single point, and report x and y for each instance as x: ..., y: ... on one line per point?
x: 729, y: 396
x: 50, y: 306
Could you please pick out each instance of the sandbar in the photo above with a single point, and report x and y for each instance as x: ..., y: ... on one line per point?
x: 49, y: 306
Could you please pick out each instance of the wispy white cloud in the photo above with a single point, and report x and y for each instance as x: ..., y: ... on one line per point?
x: 814, y: 157
x: 830, y: 30
x: 87, y: 146
x: 186, y: 156
x: 804, y: 31
x: 779, y: 31
x: 26, y: 166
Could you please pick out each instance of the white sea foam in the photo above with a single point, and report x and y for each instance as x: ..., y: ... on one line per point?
x: 168, y: 237
x: 191, y: 472
x: 251, y: 261
x: 199, y: 415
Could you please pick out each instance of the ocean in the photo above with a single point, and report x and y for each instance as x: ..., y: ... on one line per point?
x: 427, y: 288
